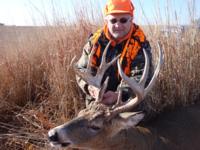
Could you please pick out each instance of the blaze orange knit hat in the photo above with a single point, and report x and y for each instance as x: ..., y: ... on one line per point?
x: 119, y: 6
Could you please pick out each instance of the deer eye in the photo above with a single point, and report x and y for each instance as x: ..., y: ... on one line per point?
x: 94, y: 128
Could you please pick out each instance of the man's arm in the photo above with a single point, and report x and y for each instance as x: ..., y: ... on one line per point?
x: 82, y: 64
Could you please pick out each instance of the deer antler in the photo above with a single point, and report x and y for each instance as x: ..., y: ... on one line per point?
x: 138, y: 88
x: 97, y: 79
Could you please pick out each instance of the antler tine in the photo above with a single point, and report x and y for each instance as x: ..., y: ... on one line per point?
x: 119, y: 98
x: 90, y: 59
x: 160, y: 62
x: 96, y: 80
x: 138, y: 88
x: 103, y: 60
x: 131, y: 82
x: 146, y: 70
x: 104, y: 66
x: 102, y: 90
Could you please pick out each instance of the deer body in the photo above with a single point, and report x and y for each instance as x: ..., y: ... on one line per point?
x: 175, y: 130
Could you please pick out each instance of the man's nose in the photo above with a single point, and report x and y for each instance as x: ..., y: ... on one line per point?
x: 118, y: 25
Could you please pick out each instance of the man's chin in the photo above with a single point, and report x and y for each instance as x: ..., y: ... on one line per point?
x: 118, y: 36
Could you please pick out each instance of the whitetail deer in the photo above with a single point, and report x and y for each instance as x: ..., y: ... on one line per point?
x: 100, y: 127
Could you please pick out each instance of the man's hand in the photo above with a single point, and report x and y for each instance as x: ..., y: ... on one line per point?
x: 110, y: 98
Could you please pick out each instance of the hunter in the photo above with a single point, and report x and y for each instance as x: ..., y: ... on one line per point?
x: 128, y: 40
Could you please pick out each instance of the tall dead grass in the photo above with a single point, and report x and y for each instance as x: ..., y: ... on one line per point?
x: 178, y: 83
x: 37, y: 83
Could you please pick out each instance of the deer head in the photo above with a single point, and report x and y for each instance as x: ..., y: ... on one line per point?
x: 99, y: 126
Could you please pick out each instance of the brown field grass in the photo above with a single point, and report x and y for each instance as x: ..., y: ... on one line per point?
x: 37, y: 84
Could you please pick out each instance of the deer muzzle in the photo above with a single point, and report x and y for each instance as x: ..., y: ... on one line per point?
x: 57, y: 138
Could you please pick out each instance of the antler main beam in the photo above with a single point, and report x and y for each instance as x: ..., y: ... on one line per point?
x: 138, y: 88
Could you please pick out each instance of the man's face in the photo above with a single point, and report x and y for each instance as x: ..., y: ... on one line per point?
x: 119, y: 24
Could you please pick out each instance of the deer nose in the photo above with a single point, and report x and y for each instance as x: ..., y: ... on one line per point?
x: 53, y: 136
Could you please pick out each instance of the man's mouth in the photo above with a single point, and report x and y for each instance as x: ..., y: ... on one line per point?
x: 118, y: 31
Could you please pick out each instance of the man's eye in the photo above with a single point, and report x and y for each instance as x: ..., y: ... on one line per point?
x: 113, y: 21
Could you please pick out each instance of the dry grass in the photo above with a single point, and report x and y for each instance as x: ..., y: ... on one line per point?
x: 38, y: 88
x: 37, y: 85
x: 179, y: 80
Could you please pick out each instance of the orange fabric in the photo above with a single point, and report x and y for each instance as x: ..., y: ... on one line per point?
x: 96, y: 36
x: 96, y: 47
x: 98, y: 54
x: 119, y: 6
x: 131, y: 51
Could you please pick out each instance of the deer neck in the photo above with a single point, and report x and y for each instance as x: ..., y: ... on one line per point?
x: 143, y: 138
x: 133, y: 138
x: 137, y: 138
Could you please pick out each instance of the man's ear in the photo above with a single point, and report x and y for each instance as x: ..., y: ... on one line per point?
x: 130, y: 119
x: 132, y: 18
x: 105, y: 20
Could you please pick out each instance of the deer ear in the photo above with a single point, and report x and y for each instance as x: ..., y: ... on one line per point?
x: 125, y: 120
x: 131, y: 119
